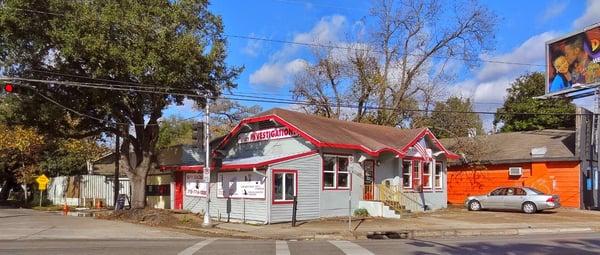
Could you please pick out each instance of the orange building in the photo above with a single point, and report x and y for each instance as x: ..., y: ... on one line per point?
x: 545, y: 160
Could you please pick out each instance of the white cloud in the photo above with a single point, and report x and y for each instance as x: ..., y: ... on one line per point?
x: 590, y: 16
x: 553, y: 10
x: 488, y: 88
x: 532, y: 51
x: 284, y: 63
x: 253, y: 47
x: 277, y: 74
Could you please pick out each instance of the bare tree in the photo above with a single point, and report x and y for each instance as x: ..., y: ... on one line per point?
x: 411, y: 35
x: 319, y: 85
x: 404, y: 62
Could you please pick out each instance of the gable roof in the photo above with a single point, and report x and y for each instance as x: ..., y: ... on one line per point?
x: 515, y: 147
x: 332, y: 133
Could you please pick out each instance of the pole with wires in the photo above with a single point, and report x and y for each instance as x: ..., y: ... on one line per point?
x: 206, y: 172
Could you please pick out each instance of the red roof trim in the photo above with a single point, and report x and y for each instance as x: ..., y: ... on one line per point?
x: 437, y: 143
x: 306, y: 136
x: 402, y: 152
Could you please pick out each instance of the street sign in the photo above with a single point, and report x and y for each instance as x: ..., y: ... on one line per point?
x: 42, y: 181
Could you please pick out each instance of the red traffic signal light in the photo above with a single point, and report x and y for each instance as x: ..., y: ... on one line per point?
x: 9, y: 88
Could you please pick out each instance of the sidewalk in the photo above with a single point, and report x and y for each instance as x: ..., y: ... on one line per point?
x: 445, y: 223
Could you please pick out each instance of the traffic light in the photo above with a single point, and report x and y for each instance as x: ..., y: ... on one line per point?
x: 198, y: 134
x: 9, y: 88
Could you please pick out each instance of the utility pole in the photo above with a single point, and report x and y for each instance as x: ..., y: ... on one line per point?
x: 206, y: 172
x: 116, y: 182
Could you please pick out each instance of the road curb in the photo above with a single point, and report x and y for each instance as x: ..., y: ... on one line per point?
x: 476, y: 232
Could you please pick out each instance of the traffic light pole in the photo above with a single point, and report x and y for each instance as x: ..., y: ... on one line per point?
x: 206, y: 172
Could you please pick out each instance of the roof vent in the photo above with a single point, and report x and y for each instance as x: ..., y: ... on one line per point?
x: 538, y: 152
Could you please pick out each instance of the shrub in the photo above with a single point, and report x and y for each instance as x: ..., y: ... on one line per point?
x: 361, y: 212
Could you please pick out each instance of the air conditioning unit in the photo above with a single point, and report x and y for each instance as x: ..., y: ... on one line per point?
x: 515, y: 171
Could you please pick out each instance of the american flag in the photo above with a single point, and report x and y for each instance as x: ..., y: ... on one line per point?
x: 422, y: 149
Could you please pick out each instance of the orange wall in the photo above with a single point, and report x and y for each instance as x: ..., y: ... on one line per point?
x: 560, y: 178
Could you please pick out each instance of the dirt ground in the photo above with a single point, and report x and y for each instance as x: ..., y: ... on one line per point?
x: 154, y: 217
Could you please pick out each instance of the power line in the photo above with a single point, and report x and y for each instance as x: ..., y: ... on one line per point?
x: 280, y: 101
x: 235, y: 93
x: 331, y: 46
x: 98, y: 119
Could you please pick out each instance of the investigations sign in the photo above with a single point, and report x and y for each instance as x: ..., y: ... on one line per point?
x: 573, y: 61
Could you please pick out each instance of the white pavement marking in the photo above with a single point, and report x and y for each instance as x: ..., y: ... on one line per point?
x: 351, y: 248
x: 196, y: 247
x: 281, y: 248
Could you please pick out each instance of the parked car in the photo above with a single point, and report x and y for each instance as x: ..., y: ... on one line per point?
x: 526, y: 199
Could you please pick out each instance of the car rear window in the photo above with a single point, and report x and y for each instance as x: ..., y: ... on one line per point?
x: 536, y: 191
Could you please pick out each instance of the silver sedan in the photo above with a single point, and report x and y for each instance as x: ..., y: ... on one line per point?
x: 526, y: 199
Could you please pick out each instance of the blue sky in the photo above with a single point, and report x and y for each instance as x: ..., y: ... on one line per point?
x: 522, y: 29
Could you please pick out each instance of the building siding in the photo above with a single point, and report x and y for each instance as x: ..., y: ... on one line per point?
x: 309, y: 169
x: 560, y: 178
x: 335, y: 202
x: 254, y: 210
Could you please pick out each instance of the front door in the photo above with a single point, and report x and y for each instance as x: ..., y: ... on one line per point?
x: 178, y: 202
x: 369, y: 168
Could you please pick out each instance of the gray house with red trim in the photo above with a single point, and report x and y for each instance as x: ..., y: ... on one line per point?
x: 330, y: 165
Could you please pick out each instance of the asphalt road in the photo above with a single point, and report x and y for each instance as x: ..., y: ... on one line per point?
x: 30, y: 232
x: 539, y: 244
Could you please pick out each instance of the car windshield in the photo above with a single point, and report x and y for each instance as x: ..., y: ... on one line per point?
x: 536, y: 191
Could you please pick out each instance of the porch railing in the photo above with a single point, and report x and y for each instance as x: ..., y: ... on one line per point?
x: 394, y: 197
x: 369, y: 192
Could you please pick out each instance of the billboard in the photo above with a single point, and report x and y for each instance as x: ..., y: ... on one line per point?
x: 573, y: 62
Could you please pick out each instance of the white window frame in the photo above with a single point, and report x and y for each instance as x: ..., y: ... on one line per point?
x: 419, y: 173
x: 294, y: 181
x: 336, y: 172
x: 439, y: 183
x: 410, y: 174
x: 427, y: 176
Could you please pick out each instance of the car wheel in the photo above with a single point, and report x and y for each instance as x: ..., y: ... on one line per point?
x: 474, y: 205
x: 529, y: 207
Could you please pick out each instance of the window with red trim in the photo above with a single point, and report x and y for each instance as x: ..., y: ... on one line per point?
x: 416, y: 177
x: 438, y: 174
x: 407, y: 173
x: 335, y: 172
x: 427, y: 175
x: 284, y: 186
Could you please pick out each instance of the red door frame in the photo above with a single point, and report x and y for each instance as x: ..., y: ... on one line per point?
x: 369, y: 194
x: 178, y: 202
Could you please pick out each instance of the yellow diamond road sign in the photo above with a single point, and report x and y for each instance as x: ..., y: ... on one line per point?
x: 42, y: 181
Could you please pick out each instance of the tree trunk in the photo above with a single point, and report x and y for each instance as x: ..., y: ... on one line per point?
x: 25, y: 195
x: 138, y: 190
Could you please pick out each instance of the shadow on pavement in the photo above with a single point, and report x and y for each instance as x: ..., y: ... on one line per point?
x: 582, y: 246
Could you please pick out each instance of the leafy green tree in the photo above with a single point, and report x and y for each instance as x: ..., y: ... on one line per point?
x: 174, y: 131
x: 520, y: 99
x: 451, y: 118
x: 157, y: 45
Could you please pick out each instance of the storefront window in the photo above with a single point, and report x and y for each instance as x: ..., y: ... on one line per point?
x: 335, y: 172
x: 278, y: 186
x: 427, y: 175
x: 343, y: 173
x: 406, y: 173
x: 438, y: 175
x: 284, y: 186
x: 329, y: 172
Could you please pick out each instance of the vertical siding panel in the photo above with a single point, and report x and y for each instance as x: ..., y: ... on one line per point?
x: 309, y: 170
